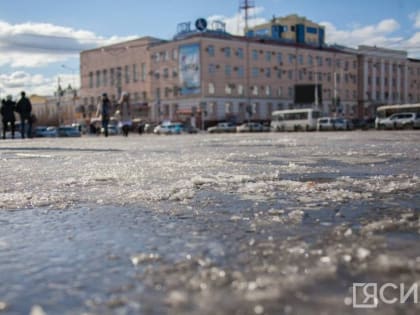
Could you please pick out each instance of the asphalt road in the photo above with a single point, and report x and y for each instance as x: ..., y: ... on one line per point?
x: 273, y: 223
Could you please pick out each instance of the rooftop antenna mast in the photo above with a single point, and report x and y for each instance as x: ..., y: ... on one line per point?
x: 247, y: 5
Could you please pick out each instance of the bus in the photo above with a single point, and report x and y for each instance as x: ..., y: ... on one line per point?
x: 383, y: 112
x: 295, y: 119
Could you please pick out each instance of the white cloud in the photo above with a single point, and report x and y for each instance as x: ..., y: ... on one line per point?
x: 379, y: 34
x: 236, y: 24
x: 17, y: 81
x: 415, y: 17
x: 39, y: 44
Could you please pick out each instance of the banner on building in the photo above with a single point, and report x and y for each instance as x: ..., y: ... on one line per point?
x: 189, y: 69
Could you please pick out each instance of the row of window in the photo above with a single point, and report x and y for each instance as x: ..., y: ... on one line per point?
x: 116, y: 76
x: 278, y: 56
x: 267, y: 91
x: 136, y: 97
x: 229, y: 109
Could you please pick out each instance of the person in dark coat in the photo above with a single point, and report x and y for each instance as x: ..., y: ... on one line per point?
x: 104, y: 110
x: 24, y: 108
x: 8, y: 115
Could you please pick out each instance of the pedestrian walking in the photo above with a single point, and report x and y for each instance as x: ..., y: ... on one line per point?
x: 124, y: 113
x: 104, y: 111
x: 8, y: 115
x: 24, y: 108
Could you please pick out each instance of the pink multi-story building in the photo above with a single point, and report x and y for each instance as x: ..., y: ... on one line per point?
x: 212, y: 76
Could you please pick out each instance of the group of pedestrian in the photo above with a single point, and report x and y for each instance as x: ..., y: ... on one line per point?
x: 122, y: 111
x: 24, y: 108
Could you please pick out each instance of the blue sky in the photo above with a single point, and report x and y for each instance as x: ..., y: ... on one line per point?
x: 41, y: 40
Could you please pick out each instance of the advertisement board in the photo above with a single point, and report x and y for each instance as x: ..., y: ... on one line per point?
x: 189, y: 69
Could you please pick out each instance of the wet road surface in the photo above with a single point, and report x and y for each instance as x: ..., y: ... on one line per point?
x: 277, y: 223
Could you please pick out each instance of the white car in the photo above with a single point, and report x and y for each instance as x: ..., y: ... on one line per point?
x: 112, y: 130
x: 68, y: 131
x: 252, y: 127
x: 169, y: 129
x: 222, y: 127
x: 400, y: 121
x: 46, y: 131
x: 331, y: 123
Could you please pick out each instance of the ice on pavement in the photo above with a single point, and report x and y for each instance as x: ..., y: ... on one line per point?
x: 264, y: 168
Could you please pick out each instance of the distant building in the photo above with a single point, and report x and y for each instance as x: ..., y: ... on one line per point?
x: 60, y: 108
x: 292, y: 29
x: 208, y: 75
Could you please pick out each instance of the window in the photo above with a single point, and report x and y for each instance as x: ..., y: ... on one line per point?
x: 240, y: 53
x: 175, y: 54
x: 279, y: 74
x: 228, y: 70
x: 104, y: 77
x: 290, y: 92
x: 310, y: 60
x: 290, y: 74
x: 329, y: 62
x: 255, y: 90
x: 319, y: 60
x: 167, y: 92
x: 240, y: 72
x: 255, y: 72
x: 291, y: 58
x: 254, y: 54
x: 228, y: 108
x: 212, y: 68
x: 311, y: 30
x: 300, y: 59
x: 228, y: 89
x: 240, y: 89
x: 127, y: 74
x: 91, y: 80
x: 112, y: 75
x: 119, y: 76
x: 268, y: 56
x: 228, y: 52
x: 135, y: 75
x: 143, y: 72
x: 210, y: 50
x: 166, y: 73
x: 267, y: 90
x: 280, y: 91
x: 279, y: 58
x: 211, y: 88
x: 98, y: 79
x: 268, y: 72
x: 300, y: 75
x: 174, y: 73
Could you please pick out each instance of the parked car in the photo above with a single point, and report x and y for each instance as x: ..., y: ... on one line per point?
x: 252, y: 127
x: 68, y: 131
x: 112, y: 130
x: 18, y: 135
x: 43, y: 131
x: 169, y: 129
x: 416, y: 124
x: 222, y: 127
x: 331, y: 123
x: 399, y: 121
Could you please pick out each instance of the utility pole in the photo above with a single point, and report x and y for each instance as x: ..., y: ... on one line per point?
x: 246, y: 5
x: 58, y: 101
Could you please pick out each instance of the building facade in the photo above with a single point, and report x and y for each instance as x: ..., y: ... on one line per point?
x: 208, y: 76
x: 292, y: 28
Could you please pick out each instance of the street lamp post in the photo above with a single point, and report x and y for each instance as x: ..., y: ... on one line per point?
x: 72, y: 75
